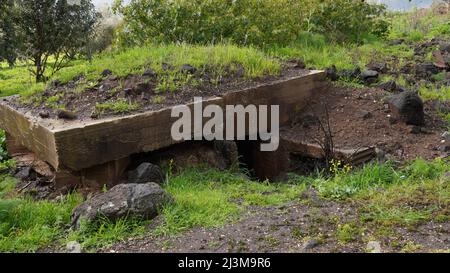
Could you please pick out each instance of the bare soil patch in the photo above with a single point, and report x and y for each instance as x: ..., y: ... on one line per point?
x: 308, y: 225
x: 362, y: 118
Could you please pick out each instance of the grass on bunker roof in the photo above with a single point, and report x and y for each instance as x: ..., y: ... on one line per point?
x: 136, y: 60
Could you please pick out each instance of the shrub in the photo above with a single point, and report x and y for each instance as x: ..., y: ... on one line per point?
x: 244, y: 22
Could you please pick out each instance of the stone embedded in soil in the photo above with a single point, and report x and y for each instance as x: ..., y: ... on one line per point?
x: 390, y: 86
x: 331, y: 73
x: 310, y: 244
x: 73, y: 247
x: 397, y: 42
x: 374, y: 247
x: 55, y: 83
x: 425, y: 70
x: 445, y: 47
x: 407, y: 107
x: 379, y: 67
x: 446, y: 136
x: 24, y: 173
x: 44, y: 114
x: 365, y: 114
x: 123, y: 200
x: 188, y: 69
x: 145, y: 173
x: 369, y: 76
x: 106, y: 72
x: 297, y: 63
x: 444, y: 148
x: 94, y: 114
x: 415, y: 129
x: 149, y: 73
x: 65, y: 114
x: 141, y: 87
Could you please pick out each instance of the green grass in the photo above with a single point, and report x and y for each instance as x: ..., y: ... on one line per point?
x: 27, y: 225
x: 218, y: 58
x: 207, y: 198
x: 373, y: 176
x: 347, y: 233
x: 211, y: 198
x: 117, y: 107
x: 105, y: 233
x: 432, y: 92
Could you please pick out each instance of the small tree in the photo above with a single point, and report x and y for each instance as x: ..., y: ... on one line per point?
x: 9, y: 38
x: 54, y: 30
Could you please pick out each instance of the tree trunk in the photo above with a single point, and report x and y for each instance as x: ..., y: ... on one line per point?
x: 38, y: 64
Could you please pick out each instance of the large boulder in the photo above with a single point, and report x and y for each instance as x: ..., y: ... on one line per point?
x: 134, y: 200
x: 407, y: 107
x: 146, y: 173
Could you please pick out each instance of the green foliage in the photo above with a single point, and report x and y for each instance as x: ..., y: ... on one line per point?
x: 347, y: 185
x: 348, y: 19
x: 246, y: 22
x: 411, y: 201
x: 117, y: 107
x: 209, y: 198
x: 375, y: 175
x: 27, y: 225
x: 432, y: 92
x: 9, y: 40
x: 53, y: 28
x: 104, y: 233
x: 217, y: 60
x: 347, y: 233
x: 419, y: 25
x: 7, y: 186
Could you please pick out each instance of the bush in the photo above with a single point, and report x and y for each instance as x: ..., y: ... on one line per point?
x: 245, y: 22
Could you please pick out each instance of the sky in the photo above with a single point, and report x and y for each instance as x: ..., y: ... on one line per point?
x: 392, y: 4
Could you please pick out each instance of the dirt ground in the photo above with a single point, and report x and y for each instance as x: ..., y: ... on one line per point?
x: 293, y: 227
x: 362, y: 118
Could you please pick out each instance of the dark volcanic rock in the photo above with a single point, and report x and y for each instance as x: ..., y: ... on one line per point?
x: 188, y: 69
x: 425, y: 70
x: 149, y: 73
x: 131, y: 200
x: 390, y: 86
x: 445, y: 47
x: 408, y: 107
x: 397, y: 42
x: 106, y: 72
x: 365, y: 114
x: 145, y: 173
x: 379, y: 67
x: 24, y: 173
x: 65, y: 114
x: 297, y: 63
x: 44, y: 114
x: 331, y: 73
x: 369, y: 76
